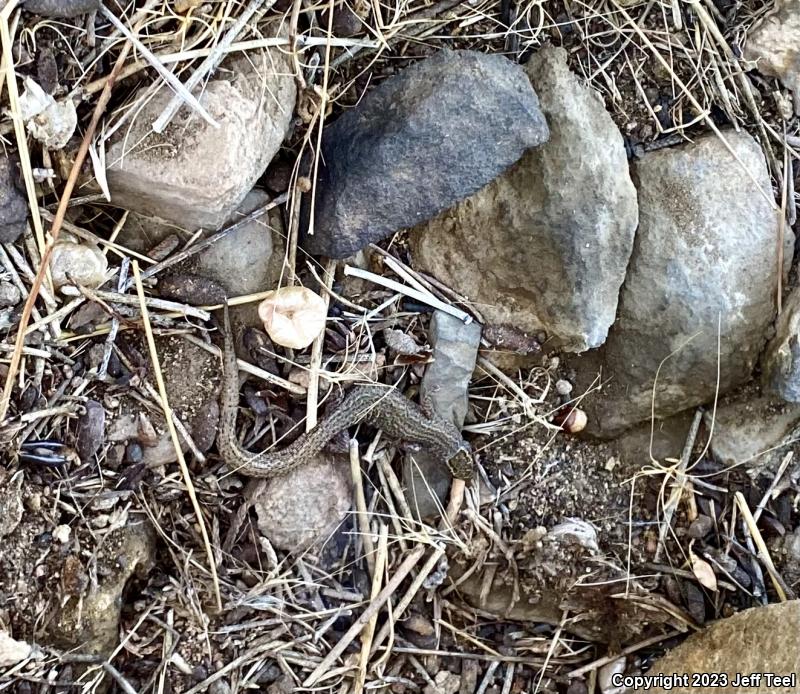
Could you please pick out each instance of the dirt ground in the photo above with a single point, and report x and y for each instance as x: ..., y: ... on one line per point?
x: 556, y: 558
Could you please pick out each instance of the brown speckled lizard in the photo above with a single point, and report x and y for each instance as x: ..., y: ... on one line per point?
x: 381, y: 406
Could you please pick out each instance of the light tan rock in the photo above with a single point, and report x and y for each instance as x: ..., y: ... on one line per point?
x: 89, y: 615
x: 305, y: 505
x: 196, y: 175
x: 759, y: 640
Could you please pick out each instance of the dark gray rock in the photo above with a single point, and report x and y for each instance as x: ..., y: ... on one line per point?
x: 704, y: 261
x: 545, y: 246
x: 781, y: 361
x: 421, y: 141
x: 13, y: 208
x: 445, y: 383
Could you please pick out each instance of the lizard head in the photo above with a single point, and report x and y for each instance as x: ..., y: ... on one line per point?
x: 461, y: 463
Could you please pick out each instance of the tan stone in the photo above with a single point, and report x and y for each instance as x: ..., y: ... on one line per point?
x: 196, y: 175
x: 759, y: 640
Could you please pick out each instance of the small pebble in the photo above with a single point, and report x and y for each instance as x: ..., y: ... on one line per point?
x: 219, y: 687
x: 700, y: 527
x: 34, y: 502
x: 62, y: 533
x: 563, y: 387
x: 9, y: 294
x: 134, y: 452
x: 419, y: 624
x: 82, y: 263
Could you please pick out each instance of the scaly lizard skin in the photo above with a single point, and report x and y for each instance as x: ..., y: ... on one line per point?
x: 381, y: 406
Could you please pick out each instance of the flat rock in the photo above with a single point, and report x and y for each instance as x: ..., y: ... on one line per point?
x: 781, y: 360
x: 305, y: 505
x: 193, y: 174
x: 421, y: 141
x: 758, y: 640
x: 13, y: 208
x: 446, y: 381
x: 705, y: 252
x: 752, y: 431
x: 545, y: 245
x: 773, y: 44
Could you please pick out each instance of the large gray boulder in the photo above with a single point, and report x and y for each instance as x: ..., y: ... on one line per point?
x: 545, y: 246
x: 704, y: 265
x: 424, y: 139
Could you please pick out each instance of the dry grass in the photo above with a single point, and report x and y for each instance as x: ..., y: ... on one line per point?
x: 222, y: 604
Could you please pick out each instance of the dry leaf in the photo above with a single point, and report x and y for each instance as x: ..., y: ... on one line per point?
x: 703, y: 572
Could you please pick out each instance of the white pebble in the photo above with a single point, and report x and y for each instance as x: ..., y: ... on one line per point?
x: 563, y: 387
x: 62, y: 533
x: 82, y: 263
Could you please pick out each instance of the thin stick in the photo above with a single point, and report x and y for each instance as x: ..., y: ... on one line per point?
x: 763, y: 552
x: 408, y: 596
x: 424, y: 297
x: 128, y: 300
x: 369, y: 630
x: 787, y: 172
x: 162, y: 391
x: 374, y: 607
x: 182, y: 94
x: 680, y: 482
x: 778, y: 475
x: 362, y: 516
x: 312, y: 401
x: 208, y: 65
